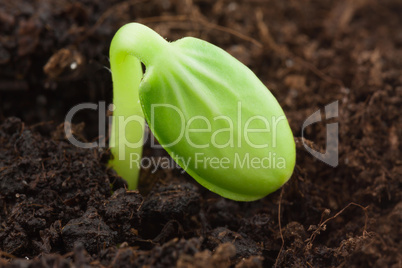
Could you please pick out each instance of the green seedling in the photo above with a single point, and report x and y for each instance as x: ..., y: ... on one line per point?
x: 209, y: 111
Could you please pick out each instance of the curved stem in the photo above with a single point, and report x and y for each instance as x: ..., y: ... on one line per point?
x: 139, y: 41
x: 133, y: 43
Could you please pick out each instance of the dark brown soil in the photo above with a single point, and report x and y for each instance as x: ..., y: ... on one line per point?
x: 56, y: 205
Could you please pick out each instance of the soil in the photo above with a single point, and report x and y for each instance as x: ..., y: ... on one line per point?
x: 57, y: 208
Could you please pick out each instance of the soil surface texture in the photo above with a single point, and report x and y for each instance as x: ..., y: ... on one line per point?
x: 61, y: 206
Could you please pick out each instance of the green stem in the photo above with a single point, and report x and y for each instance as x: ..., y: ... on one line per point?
x: 133, y: 43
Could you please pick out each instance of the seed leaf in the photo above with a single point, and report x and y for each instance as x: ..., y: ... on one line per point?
x: 217, y: 120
